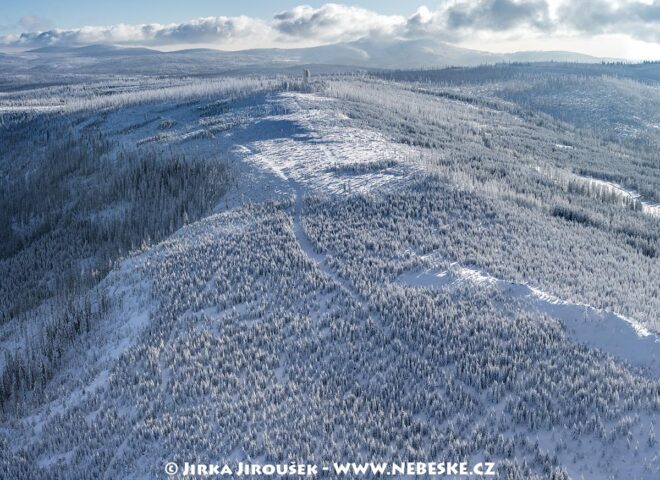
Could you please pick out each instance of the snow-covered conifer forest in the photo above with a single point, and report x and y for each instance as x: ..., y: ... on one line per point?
x: 458, y: 264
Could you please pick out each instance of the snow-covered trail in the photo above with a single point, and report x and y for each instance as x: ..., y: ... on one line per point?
x: 612, y: 333
x: 308, y: 249
x: 646, y: 207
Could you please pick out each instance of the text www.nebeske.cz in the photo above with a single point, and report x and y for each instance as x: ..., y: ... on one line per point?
x: 309, y: 470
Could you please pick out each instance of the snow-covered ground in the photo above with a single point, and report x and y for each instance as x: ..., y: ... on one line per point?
x: 240, y: 274
x: 323, y: 152
x: 297, y: 144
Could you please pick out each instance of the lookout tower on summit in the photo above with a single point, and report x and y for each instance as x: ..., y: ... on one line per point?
x: 306, y: 76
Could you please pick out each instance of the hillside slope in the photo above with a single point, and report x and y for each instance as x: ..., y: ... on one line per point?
x: 353, y: 270
x: 365, y: 53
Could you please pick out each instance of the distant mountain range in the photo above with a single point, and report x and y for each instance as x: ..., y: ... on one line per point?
x: 367, y: 53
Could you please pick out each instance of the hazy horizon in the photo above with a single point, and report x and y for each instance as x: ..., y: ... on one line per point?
x: 602, y: 28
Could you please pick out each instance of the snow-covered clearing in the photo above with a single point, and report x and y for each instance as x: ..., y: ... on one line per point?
x: 318, y: 147
x: 615, y: 334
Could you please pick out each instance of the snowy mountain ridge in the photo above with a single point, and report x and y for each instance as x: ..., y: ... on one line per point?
x: 365, y: 53
x: 265, y: 269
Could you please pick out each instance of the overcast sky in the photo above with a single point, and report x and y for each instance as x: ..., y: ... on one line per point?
x: 613, y: 28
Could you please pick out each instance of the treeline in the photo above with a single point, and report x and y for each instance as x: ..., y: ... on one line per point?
x: 83, y: 204
x: 27, y: 370
x: 79, y: 201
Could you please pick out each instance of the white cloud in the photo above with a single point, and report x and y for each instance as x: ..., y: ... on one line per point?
x: 333, y: 23
x: 636, y: 18
x: 213, y: 29
x: 301, y: 25
x: 221, y: 30
x: 458, y: 20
